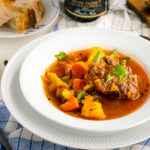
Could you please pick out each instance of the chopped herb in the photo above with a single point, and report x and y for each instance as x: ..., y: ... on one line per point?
x: 127, y: 58
x: 64, y: 80
x: 115, y: 53
x: 120, y: 72
x: 97, y: 57
x: 61, y: 56
x: 123, y: 76
x: 81, y: 96
x: 109, y: 77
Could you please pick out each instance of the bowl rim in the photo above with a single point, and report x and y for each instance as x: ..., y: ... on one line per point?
x: 75, y: 122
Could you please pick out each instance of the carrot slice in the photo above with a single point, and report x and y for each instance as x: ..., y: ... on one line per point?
x: 78, y: 84
x: 62, y: 64
x: 79, y: 69
x: 70, y: 105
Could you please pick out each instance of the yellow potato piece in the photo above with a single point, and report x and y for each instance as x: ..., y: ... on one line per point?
x: 92, y: 110
x: 55, y: 81
x: 67, y: 94
x: 93, y: 53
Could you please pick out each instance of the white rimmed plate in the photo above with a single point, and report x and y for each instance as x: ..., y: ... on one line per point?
x: 75, y: 39
x: 20, y: 109
x: 51, y: 11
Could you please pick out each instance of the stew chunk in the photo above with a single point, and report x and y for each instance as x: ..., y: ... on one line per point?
x: 92, y: 109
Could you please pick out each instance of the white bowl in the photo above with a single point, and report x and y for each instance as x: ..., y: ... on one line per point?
x: 51, y: 11
x: 75, y: 39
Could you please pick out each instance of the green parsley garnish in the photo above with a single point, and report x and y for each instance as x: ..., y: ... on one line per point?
x: 115, y: 53
x: 64, y: 80
x: 120, y: 72
x: 61, y: 56
x: 97, y: 57
x: 109, y: 77
x: 81, y: 96
x: 127, y: 58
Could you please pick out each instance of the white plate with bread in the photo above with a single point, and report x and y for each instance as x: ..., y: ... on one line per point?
x: 19, y: 18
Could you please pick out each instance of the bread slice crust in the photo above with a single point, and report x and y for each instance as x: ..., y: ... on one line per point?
x: 27, y: 14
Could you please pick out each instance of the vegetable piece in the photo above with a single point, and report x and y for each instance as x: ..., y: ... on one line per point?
x: 115, y: 53
x: 55, y: 81
x: 92, y: 109
x: 67, y: 94
x: 87, y: 98
x: 62, y: 64
x: 78, y: 84
x: 79, y: 69
x: 109, y: 77
x: 96, y: 55
x: 114, y: 88
x: 70, y: 105
x: 127, y: 58
x: 44, y: 79
x: 88, y: 87
x: 52, y: 87
x: 81, y: 96
x: 65, y: 79
x: 120, y: 72
x: 61, y: 56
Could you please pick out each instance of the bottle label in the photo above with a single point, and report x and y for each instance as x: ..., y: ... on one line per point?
x: 86, y: 8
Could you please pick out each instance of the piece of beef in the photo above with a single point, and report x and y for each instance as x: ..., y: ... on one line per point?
x: 96, y: 72
x: 128, y: 88
x: 109, y: 60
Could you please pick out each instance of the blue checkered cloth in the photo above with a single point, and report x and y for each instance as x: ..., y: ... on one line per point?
x: 120, y: 18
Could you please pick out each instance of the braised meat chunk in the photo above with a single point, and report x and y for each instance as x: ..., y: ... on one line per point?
x: 112, y: 76
x: 128, y: 88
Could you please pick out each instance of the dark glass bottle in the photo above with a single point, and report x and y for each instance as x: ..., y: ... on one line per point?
x: 85, y: 10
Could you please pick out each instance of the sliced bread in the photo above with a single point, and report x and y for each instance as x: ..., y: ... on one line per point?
x: 8, y: 12
x: 31, y: 12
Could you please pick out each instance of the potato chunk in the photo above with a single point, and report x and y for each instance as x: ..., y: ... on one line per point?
x: 92, y: 110
x: 97, y: 53
x: 55, y: 81
x: 67, y: 94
